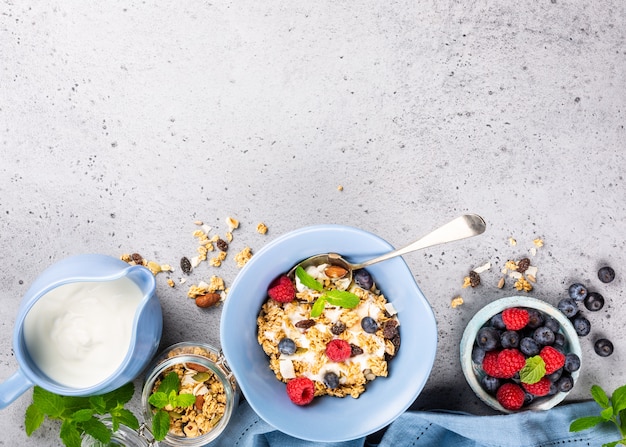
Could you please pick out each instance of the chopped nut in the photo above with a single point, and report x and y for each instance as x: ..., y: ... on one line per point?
x: 261, y: 228
x: 170, y: 282
x: 198, y: 222
x: 154, y: 267
x: 523, y: 284
x: 232, y: 223
x: 538, y: 242
x: 166, y: 268
x: 531, y: 278
x: 512, y: 241
x: 456, y: 302
x: 501, y: 283
x: 340, y: 188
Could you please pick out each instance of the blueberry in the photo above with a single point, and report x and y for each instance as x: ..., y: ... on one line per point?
x: 581, y: 325
x: 603, y: 347
x: 552, y: 324
x: 559, y: 341
x: 543, y: 335
x: 556, y: 375
x: 577, y: 292
x: 529, y: 347
x: 509, y: 339
x: 606, y: 274
x: 478, y: 354
x: 553, y: 390
x: 496, y: 322
x: 331, y: 380
x: 369, y: 325
x: 287, y: 346
x: 535, y: 319
x: 487, y: 338
x: 568, y: 306
x: 363, y: 279
x: 490, y: 384
x: 528, y: 398
x: 594, y: 301
x: 572, y: 362
x: 565, y: 383
x: 337, y: 328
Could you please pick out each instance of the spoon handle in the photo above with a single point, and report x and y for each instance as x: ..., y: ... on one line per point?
x: 462, y: 227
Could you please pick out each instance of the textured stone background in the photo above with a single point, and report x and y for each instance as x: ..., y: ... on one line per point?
x: 123, y: 122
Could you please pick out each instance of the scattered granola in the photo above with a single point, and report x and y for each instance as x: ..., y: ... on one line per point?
x: 456, y: 302
x: 243, y: 257
x: 261, y: 228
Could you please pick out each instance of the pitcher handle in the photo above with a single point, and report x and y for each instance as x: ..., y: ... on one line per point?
x: 13, y: 387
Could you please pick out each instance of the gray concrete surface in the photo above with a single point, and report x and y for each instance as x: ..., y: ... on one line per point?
x: 123, y: 122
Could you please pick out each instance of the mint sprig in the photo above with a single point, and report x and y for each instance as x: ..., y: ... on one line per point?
x: 339, y: 298
x: 533, y: 370
x: 167, y: 394
x: 613, y: 410
x: 81, y: 416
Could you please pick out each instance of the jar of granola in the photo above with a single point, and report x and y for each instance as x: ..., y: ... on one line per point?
x: 189, y: 395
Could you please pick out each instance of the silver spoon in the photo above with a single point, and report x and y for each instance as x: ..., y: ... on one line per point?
x: 462, y: 227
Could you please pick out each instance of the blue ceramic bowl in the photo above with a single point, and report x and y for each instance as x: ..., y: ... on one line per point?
x: 146, y: 331
x: 474, y: 373
x: 328, y: 419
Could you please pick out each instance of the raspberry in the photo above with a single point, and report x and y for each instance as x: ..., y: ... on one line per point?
x: 338, y: 350
x: 540, y: 388
x: 282, y: 290
x: 515, y: 318
x: 301, y: 390
x: 490, y: 364
x: 510, y: 361
x: 553, y: 359
x: 510, y: 396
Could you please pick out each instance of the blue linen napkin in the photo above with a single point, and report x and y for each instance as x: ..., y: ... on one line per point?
x: 441, y: 428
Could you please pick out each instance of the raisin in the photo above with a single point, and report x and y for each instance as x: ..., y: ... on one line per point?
x: 395, y: 341
x: 222, y: 244
x: 355, y: 350
x: 305, y: 324
x: 523, y: 265
x: 185, y: 265
x: 137, y: 258
x: 337, y: 328
x: 390, y: 329
x: 474, y: 279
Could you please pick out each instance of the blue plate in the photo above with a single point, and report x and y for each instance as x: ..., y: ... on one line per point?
x: 328, y: 419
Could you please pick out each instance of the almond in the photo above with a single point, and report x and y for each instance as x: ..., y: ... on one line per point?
x: 207, y: 300
x: 335, y: 271
x: 199, y: 402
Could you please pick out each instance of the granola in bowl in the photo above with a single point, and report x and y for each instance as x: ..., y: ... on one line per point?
x: 332, y: 335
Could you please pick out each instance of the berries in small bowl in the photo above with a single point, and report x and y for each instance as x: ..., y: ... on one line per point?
x: 520, y: 353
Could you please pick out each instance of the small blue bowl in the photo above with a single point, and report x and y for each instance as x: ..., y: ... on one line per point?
x: 474, y: 373
x: 328, y: 419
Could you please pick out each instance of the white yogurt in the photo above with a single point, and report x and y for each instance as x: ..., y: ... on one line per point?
x: 79, y: 333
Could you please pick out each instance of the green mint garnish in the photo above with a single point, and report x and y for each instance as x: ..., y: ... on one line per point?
x: 613, y: 410
x: 339, y: 298
x: 167, y: 394
x: 80, y: 416
x: 307, y: 280
x: 533, y: 370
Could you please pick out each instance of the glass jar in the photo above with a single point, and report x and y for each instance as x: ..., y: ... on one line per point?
x: 203, y: 372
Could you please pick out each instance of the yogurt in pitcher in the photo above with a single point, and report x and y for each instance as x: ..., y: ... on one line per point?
x: 79, y: 333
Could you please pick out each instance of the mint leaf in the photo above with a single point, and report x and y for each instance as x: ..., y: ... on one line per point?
x: 124, y: 417
x: 585, y: 423
x: 170, y: 383
x: 600, y: 396
x: 619, y: 399
x: 70, y: 435
x: 307, y: 280
x: 533, y: 370
x: 121, y: 395
x: 342, y: 299
x: 160, y: 425
x: 33, y: 419
x: 82, y: 415
x: 48, y: 403
x: 184, y: 400
x: 318, y: 307
x: 158, y: 399
x: 98, y: 404
x: 97, y: 430
x: 607, y: 413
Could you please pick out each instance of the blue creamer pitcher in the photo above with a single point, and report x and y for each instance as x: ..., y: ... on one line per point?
x: 87, y: 325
